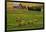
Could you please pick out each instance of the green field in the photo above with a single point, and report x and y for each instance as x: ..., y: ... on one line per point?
x: 26, y: 19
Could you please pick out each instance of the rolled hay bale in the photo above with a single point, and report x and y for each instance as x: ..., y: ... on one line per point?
x: 30, y: 22
x: 23, y: 22
x: 18, y: 21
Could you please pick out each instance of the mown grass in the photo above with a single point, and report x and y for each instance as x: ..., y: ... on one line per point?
x: 28, y: 19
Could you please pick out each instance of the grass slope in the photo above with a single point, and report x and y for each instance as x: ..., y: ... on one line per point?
x: 29, y: 19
